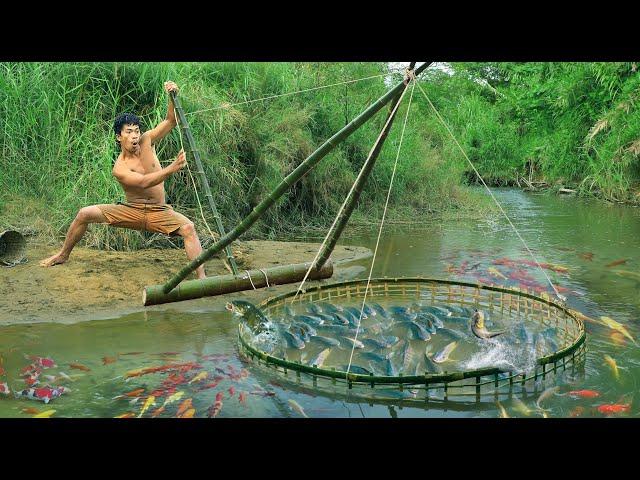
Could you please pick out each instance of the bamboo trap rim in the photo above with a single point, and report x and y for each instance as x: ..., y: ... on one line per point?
x: 541, y: 308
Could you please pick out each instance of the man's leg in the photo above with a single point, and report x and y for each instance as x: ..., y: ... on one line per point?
x: 192, y: 245
x: 84, y: 217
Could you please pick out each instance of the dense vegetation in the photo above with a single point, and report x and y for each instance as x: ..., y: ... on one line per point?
x: 571, y: 123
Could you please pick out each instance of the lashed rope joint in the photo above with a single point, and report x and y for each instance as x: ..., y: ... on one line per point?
x: 409, y: 75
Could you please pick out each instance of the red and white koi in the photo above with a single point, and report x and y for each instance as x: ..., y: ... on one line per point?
x: 45, y: 394
x: 42, y: 362
x: 214, y: 410
x: 4, y: 389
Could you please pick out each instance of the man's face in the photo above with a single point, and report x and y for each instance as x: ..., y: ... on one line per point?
x: 129, y: 138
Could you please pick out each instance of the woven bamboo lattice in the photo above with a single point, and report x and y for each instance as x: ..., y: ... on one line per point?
x: 513, y: 303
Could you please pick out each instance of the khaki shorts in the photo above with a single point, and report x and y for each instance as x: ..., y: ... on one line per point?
x: 144, y: 216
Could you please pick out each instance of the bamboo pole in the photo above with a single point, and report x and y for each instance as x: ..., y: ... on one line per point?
x: 234, y: 283
x: 184, y: 125
x: 287, y: 182
x: 359, y: 187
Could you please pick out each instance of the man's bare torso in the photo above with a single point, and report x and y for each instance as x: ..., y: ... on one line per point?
x: 145, y: 162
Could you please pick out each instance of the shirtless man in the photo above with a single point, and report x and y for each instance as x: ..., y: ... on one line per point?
x: 139, y: 172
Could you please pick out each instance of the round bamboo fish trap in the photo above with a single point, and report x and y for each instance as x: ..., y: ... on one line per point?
x: 511, y: 305
x: 12, y: 247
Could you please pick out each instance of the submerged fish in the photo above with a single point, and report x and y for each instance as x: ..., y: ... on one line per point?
x: 417, y: 331
x: 353, y: 342
x: 478, y: 328
x: 616, y: 262
x: 611, y: 323
x: 545, y: 395
x: 503, y: 412
x: 296, y: 407
x: 443, y: 355
x: 406, y: 357
x: 214, y: 410
x: 608, y: 409
x: 45, y: 414
x: 519, y: 406
x: 357, y: 369
x: 330, y: 342
x: 151, y: 400
x: 319, y: 360
x: 614, y: 366
x: 293, y: 340
x: 430, y: 365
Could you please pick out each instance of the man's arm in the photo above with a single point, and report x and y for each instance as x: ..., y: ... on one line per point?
x: 129, y: 178
x: 165, y: 126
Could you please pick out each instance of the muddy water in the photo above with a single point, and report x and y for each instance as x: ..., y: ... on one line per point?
x: 590, y: 250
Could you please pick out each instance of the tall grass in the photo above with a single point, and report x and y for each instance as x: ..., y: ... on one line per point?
x: 58, y: 147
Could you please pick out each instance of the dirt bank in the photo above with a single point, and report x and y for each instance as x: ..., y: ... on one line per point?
x: 96, y: 284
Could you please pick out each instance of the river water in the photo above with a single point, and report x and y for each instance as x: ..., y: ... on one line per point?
x: 592, y: 250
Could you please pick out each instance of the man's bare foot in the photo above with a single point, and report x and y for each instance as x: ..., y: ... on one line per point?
x: 56, y: 259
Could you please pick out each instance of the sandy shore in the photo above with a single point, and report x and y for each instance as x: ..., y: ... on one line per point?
x: 97, y: 284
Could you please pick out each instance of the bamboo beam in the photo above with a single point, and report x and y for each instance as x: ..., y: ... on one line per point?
x: 359, y: 187
x: 287, y: 182
x: 222, y: 284
x: 184, y: 125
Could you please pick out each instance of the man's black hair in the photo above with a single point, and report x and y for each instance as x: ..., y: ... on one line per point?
x: 125, y: 119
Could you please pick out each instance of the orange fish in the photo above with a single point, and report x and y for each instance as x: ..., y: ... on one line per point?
x: 608, y: 409
x: 616, y: 262
x: 184, y: 406
x: 157, y: 411
x: 587, y: 256
x: 126, y: 415
x: 231, y: 391
x: 131, y: 353
x: 79, y: 366
x: 30, y: 410
x: 618, y: 338
x: 242, y: 397
x: 584, y: 393
x: 189, y: 413
x: 108, y: 360
x: 134, y: 393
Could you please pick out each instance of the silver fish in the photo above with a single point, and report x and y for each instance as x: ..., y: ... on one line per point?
x: 353, y: 342
x: 319, y: 360
x: 545, y: 395
x: 478, y: 328
x: 443, y: 355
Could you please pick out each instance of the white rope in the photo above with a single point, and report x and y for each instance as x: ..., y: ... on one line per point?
x: 227, y: 105
x: 561, y: 297
x: 384, y: 213
x: 265, y: 276
x: 249, y: 275
x: 348, y: 196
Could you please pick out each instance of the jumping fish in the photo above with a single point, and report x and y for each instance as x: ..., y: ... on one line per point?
x: 478, y: 328
x: 251, y: 315
x: 443, y: 355
x: 430, y: 365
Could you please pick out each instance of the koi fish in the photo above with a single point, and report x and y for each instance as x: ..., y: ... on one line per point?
x: 208, y: 386
x: 611, y: 323
x: 231, y: 391
x: 66, y: 377
x: 608, y: 409
x: 546, y: 394
x: 503, y: 412
x: 134, y: 393
x: 296, y: 407
x: 184, y: 406
x: 131, y: 353
x: 4, y: 388
x: 188, y: 414
x: 214, y: 410
x: 41, y: 361
x: 520, y: 407
x: 583, y: 393
x: 614, y: 366
x: 45, y: 394
x: 587, y: 256
x: 126, y: 415
x: 496, y: 273
x: 45, y: 414
x: 151, y: 400
x: 616, y: 262
x: 157, y: 411
x: 617, y: 338
x: 242, y: 397
x: 79, y: 366
x: 108, y: 360
x: 32, y: 380
x: 173, y: 398
x: 30, y: 411
x: 199, y: 377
